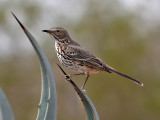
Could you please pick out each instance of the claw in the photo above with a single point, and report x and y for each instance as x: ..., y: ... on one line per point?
x: 67, y: 78
x: 83, y: 89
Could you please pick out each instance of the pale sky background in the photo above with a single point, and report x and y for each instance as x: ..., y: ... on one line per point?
x: 147, y: 9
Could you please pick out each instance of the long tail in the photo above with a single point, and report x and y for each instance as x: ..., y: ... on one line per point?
x: 124, y: 75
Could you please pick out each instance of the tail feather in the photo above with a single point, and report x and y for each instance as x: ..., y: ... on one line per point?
x: 124, y: 75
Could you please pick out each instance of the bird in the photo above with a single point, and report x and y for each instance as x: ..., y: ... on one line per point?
x: 74, y: 56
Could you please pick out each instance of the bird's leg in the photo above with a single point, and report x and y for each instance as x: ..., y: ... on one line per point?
x: 85, y: 81
x: 69, y: 76
x: 76, y: 74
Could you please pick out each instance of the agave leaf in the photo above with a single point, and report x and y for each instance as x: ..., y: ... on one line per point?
x: 48, y: 103
x: 91, y: 112
x: 5, y: 109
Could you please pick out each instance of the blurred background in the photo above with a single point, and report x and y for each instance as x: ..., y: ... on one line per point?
x: 123, y: 33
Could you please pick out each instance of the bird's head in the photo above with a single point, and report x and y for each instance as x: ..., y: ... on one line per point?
x: 60, y: 34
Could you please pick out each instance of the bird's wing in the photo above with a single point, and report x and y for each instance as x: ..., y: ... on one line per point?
x: 84, y: 57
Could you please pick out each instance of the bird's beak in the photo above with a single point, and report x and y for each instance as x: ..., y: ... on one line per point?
x: 47, y: 31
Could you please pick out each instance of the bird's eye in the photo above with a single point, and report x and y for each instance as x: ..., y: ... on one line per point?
x: 58, y: 31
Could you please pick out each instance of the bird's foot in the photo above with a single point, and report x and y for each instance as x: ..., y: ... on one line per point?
x: 82, y: 88
x: 68, y: 78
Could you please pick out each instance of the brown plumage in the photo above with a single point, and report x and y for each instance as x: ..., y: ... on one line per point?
x: 77, y: 58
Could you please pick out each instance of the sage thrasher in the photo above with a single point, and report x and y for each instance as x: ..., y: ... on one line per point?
x: 74, y: 56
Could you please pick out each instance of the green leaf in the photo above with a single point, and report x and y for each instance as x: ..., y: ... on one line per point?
x: 89, y: 107
x: 5, y: 109
x: 48, y: 103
